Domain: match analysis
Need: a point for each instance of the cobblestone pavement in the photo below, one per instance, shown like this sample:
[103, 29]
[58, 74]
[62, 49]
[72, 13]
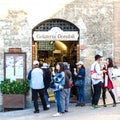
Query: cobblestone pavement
[75, 113]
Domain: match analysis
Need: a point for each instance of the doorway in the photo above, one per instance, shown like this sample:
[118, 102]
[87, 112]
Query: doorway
[52, 52]
[56, 40]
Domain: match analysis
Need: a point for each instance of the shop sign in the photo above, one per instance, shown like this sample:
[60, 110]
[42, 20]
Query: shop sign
[55, 34]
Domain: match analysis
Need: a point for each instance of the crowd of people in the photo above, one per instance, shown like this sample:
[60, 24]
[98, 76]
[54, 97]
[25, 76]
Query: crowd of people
[61, 81]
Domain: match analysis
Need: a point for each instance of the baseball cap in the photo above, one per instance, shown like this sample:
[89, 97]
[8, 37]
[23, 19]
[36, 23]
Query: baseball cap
[45, 65]
[80, 63]
[35, 62]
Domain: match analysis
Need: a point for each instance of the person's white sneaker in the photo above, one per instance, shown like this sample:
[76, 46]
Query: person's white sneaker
[57, 115]
[48, 99]
[48, 106]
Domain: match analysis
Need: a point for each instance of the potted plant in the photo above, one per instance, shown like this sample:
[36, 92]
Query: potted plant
[14, 93]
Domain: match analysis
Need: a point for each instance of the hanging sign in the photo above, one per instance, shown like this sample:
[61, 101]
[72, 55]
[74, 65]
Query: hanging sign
[55, 34]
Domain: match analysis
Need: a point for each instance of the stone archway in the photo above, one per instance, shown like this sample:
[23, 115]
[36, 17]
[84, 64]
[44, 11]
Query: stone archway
[54, 26]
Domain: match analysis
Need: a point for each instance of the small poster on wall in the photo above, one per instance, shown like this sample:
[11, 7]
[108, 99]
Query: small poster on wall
[15, 66]
[9, 66]
[19, 65]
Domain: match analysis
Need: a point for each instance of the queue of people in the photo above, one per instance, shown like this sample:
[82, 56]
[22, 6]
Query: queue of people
[61, 81]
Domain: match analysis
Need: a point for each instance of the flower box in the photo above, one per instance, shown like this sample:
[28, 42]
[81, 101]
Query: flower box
[14, 93]
[13, 101]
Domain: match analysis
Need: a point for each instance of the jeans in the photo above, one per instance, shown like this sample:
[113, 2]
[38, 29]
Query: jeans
[64, 98]
[57, 98]
[47, 97]
[96, 93]
[81, 93]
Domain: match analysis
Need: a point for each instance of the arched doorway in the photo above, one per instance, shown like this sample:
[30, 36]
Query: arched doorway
[55, 40]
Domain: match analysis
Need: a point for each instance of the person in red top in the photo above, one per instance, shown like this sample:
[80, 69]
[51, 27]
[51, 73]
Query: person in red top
[107, 83]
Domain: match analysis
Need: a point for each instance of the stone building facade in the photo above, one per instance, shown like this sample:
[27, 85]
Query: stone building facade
[116, 32]
[97, 20]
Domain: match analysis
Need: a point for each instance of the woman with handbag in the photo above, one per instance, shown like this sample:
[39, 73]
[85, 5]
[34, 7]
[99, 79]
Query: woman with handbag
[107, 83]
[80, 83]
[65, 93]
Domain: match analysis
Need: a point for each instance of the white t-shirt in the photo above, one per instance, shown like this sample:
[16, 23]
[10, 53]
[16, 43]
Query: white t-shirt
[96, 67]
[37, 79]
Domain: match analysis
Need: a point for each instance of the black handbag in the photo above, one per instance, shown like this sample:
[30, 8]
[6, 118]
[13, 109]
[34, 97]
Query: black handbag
[78, 83]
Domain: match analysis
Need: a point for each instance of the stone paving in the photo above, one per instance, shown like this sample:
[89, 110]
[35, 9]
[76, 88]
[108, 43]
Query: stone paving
[75, 113]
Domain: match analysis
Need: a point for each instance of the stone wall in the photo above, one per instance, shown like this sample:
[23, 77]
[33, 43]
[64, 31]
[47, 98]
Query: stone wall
[117, 33]
[15, 33]
[94, 18]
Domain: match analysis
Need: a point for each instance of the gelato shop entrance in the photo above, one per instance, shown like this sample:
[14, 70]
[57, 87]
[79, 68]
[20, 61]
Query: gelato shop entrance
[55, 40]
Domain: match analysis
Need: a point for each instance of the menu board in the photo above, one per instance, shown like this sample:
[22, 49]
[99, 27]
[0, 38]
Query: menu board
[15, 66]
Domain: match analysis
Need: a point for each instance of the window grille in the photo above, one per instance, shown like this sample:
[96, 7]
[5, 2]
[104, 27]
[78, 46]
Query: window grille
[62, 24]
